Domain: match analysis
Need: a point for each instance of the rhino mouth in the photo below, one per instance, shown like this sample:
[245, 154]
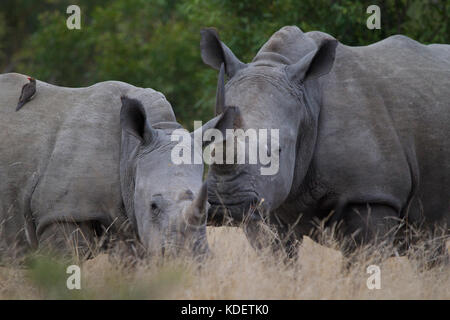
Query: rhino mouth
[233, 212]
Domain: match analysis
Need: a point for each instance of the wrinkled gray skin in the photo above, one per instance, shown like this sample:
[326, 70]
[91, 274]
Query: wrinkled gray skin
[363, 136]
[60, 174]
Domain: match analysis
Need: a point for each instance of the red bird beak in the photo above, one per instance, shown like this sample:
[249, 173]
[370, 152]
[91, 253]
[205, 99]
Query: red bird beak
[28, 78]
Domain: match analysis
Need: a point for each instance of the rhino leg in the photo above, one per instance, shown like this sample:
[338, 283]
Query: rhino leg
[368, 229]
[69, 239]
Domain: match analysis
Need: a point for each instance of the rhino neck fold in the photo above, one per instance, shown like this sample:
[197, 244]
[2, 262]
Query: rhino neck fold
[289, 42]
[270, 59]
[308, 128]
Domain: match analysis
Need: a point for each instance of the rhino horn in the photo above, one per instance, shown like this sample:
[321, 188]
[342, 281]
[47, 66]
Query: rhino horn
[195, 214]
[230, 119]
[220, 95]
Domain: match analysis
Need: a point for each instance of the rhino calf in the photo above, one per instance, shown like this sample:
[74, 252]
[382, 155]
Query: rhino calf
[75, 160]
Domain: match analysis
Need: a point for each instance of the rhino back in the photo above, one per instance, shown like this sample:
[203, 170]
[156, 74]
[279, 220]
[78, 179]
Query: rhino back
[384, 119]
[59, 155]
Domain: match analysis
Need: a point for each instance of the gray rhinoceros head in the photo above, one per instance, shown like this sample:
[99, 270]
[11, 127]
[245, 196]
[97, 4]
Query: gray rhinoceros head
[274, 91]
[166, 202]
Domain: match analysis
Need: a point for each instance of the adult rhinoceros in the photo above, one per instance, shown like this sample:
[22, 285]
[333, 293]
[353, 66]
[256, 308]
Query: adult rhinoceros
[76, 159]
[364, 135]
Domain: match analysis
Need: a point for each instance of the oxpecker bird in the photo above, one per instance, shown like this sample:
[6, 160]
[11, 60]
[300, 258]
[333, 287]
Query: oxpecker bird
[28, 91]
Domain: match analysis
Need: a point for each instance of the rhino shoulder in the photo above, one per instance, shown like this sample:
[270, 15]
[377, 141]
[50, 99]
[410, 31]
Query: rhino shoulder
[12, 78]
[319, 36]
[99, 97]
[400, 40]
[10, 81]
[155, 103]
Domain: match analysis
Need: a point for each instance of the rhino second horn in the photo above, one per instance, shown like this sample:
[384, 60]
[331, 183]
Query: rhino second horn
[220, 94]
[195, 214]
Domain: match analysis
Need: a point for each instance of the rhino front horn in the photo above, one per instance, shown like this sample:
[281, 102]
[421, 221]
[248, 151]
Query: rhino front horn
[195, 214]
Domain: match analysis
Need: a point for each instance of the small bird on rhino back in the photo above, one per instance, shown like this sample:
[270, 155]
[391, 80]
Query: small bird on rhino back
[28, 92]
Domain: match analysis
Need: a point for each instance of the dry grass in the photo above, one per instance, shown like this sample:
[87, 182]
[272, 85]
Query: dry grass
[235, 271]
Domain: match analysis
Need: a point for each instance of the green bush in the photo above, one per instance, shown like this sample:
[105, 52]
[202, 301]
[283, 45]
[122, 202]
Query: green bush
[156, 43]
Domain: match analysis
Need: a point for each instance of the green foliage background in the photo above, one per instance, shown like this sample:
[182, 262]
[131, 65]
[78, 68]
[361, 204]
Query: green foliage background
[155, 43]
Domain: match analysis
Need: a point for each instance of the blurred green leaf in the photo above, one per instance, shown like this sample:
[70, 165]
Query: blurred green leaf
[156, 43]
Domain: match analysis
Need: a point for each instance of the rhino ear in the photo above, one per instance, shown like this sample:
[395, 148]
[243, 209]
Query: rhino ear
[315, 64]
[133, 120]
[214, 52]
[230, 119]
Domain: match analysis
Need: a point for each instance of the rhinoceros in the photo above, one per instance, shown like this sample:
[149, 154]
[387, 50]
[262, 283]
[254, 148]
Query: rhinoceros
[363, 138]
[73, 161]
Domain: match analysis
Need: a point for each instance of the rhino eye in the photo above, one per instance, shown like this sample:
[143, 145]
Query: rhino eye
[155, 208]
[156, 202]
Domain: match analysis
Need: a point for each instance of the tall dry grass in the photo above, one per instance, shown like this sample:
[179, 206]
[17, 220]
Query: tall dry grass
[234, 271]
